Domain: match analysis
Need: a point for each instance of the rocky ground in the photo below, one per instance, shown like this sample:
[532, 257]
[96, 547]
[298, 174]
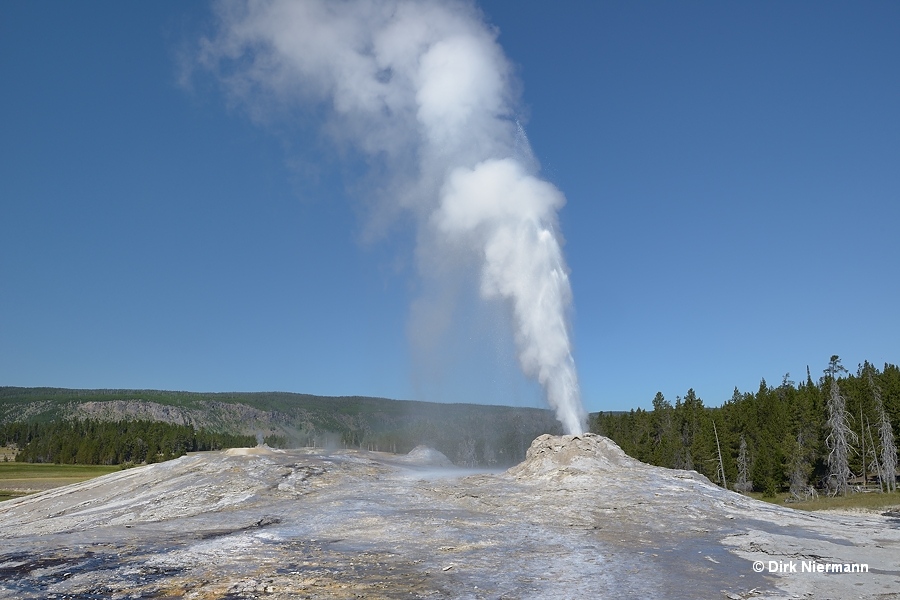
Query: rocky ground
[577, 519]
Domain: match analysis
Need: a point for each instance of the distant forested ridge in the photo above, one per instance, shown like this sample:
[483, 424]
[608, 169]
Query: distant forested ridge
[778, 438]
[111, 442]
[469, 434]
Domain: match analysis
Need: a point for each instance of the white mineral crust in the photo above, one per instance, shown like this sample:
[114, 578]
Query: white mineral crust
[578, 518]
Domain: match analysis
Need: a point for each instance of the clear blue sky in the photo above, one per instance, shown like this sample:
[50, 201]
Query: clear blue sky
[732, 173]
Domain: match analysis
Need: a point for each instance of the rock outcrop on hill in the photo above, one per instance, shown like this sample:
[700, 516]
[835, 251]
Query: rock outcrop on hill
[467, 434]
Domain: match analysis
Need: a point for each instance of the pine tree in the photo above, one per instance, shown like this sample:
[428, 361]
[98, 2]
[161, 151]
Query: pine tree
[663, 440]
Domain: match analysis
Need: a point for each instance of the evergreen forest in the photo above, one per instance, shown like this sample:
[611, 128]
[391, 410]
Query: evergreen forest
[830, 435]
[468, 434]
[90, 442]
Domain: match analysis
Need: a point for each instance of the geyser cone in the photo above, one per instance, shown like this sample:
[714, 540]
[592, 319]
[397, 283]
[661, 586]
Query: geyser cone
[585, 453]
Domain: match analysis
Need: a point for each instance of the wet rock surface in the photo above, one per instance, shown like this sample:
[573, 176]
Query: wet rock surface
[578, 518]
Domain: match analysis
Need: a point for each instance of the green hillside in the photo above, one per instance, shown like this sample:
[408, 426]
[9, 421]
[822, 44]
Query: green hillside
[469, 434]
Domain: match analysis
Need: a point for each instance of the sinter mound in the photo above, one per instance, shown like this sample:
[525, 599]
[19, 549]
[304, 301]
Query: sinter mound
[424, 455]
[574, 454]
[578, 518]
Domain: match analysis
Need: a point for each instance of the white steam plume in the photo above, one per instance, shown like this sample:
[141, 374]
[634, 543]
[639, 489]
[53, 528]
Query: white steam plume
[424, 88]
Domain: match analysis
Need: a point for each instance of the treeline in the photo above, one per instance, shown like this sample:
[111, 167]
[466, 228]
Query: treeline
[780, 438]
[468, 434]
[92, 442]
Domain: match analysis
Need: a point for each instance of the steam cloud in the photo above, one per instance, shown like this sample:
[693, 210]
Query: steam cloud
[423, 89]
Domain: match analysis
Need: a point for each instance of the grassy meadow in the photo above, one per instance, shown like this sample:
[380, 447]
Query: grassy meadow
[869, 501]
[17, 479]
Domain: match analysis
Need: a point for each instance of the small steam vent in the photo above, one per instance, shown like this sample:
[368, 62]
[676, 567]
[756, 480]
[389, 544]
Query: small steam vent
[586, 453]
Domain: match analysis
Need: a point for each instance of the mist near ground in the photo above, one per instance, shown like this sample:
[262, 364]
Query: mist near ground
[577, 518]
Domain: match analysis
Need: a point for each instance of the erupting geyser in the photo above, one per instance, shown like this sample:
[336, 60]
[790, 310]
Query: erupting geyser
[423, 88]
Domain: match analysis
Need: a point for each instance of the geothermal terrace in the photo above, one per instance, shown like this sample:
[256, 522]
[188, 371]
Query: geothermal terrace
[578, 518]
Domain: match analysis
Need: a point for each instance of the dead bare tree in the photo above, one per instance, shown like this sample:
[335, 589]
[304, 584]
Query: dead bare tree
[840, 434]
[888, 466]
[743, 484]
[465, 455]
[721, 469]
[490, 457]
[800, 489]
[878, 470]
[798, 478]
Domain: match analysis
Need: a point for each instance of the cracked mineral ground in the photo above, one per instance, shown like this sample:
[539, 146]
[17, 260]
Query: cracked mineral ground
[578, 518]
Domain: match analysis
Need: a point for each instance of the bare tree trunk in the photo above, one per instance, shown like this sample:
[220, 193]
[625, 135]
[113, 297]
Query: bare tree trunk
[878, 470]
[799, 479]
[886, 433]
[865, 473]
[465, 456]
[743, 464]
[838, 441]
[888, 454]
[721, 464]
